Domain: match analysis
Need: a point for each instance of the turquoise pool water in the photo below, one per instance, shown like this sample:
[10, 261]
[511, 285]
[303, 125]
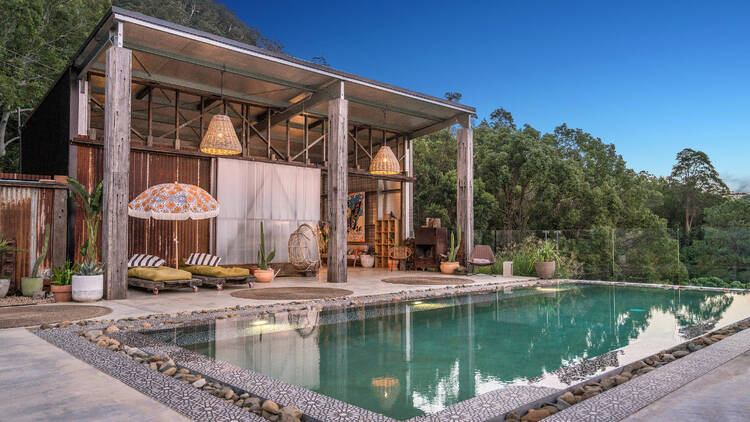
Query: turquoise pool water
[408, 359]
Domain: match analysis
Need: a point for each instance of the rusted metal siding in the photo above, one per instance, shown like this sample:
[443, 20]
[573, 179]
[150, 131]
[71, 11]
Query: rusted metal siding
[25, 211]
[148, 168]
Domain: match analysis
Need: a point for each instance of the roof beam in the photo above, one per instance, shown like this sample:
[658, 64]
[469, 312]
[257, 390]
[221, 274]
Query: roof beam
[330, 90]
[458, 118]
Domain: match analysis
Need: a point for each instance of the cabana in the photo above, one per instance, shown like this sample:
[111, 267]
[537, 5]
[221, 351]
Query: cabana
[136, 101]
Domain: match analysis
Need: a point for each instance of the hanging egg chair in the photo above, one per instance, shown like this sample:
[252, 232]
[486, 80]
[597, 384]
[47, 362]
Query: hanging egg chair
[304, 254]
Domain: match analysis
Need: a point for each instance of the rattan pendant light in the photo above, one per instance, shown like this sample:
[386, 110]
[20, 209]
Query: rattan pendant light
[220, 137]
[385, 162]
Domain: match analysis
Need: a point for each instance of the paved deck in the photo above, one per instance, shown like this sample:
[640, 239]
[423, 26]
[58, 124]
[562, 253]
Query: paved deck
[720, 395]
[42, 382]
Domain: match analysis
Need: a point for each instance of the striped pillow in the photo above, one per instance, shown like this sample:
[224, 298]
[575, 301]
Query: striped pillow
[202, 259]
[143, 260]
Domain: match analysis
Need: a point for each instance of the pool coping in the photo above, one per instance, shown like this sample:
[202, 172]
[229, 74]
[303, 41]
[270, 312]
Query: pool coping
[199, 405]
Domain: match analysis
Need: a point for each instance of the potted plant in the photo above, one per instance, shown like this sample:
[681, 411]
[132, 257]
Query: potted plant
[60, 283]
[5, 248]
[368, 259]
[264, 274]
[88, 282]
[88, 278]
[35, 283]
[546, 257]
[450, 265]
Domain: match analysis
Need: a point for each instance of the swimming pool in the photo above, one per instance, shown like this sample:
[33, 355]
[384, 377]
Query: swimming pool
[411, 358]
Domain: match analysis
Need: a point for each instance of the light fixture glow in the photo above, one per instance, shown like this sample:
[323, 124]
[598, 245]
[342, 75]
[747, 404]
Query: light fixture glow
[385, 162]
[220, 137]
[259, 322]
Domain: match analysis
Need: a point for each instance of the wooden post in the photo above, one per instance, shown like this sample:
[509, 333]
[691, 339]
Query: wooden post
[177, 119]
[150, 136]
[465, 189]
[116, 172]
[338, 116]
[59, 227]
[407, 193]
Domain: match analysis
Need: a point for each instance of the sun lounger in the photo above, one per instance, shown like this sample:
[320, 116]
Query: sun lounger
[161, 278]
[219, 276]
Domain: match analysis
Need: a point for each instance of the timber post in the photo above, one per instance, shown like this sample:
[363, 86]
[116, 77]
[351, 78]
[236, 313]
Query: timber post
[465, 188]
[338, 113]
[116, 168]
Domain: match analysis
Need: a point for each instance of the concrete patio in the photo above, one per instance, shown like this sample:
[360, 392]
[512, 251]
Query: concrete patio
[37, 376]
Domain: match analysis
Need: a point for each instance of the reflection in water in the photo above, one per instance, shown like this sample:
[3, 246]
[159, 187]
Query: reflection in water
[408, 359]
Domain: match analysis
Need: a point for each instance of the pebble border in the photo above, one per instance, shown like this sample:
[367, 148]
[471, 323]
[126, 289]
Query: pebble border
[490, 406]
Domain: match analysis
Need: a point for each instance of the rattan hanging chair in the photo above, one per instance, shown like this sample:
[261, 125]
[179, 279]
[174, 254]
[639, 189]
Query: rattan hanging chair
[304, 254]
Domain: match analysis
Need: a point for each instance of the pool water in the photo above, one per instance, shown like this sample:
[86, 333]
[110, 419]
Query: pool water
[409, 359]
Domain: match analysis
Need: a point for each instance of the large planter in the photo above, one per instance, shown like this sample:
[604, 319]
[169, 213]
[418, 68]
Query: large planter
[30, 285]
[368, 261]
[4, 286]
[545, 270]
[263, 276]
[61, 293]
[448, 267]
[87, 288]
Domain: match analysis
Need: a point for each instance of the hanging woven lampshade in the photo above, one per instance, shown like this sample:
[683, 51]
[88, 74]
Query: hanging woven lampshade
[220, 138]
[385, 162]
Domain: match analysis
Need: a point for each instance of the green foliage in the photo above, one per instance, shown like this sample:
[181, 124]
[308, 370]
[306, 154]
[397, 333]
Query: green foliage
[62, 276]
[89, 268]
[696, 182]
[91, 205]
[453, 251]
[5, 248]
[42, 255]
[263, 259]
[547, 252]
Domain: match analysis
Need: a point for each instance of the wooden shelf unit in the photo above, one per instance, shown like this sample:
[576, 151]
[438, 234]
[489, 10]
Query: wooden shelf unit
[387, 235]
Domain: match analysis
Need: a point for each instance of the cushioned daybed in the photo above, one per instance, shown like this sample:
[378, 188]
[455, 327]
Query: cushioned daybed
[219, 276]
[161, 278]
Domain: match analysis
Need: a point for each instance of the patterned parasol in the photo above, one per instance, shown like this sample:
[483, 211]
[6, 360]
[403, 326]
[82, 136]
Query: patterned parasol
[174, 201]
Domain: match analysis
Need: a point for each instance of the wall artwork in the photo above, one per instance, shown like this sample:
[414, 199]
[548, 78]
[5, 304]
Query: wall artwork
[355, 217]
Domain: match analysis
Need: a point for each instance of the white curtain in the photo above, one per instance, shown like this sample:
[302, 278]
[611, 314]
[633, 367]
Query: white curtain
[281, 196]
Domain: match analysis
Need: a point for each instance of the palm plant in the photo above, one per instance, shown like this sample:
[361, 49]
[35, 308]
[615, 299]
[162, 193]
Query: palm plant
[264, 259]
[91, 205]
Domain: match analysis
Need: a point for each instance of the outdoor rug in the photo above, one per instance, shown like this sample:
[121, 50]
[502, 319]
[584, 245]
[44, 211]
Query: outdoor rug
[23, 316]
[427, 281]
[290, 293]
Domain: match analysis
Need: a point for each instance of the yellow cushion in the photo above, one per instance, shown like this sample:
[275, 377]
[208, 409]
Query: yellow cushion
[159, 273]
[210, 271]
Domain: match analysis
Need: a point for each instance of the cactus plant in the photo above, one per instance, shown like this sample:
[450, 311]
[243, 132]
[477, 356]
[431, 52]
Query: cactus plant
[454, 247]
[40, 258]
[264, 259]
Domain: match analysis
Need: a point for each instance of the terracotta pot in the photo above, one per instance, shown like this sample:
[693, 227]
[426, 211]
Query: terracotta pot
[448, 267]
[263, 276]
[393, 264]
[545, 270]
[62, 293]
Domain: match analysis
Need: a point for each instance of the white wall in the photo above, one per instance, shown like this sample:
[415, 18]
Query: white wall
[282, 196]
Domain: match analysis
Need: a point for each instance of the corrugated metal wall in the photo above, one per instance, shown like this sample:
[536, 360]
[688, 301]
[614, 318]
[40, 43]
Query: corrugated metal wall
[25, 210]
[147, 169]
[281, 196]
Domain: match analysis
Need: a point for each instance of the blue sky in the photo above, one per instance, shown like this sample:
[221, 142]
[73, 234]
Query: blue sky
[650, 78]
